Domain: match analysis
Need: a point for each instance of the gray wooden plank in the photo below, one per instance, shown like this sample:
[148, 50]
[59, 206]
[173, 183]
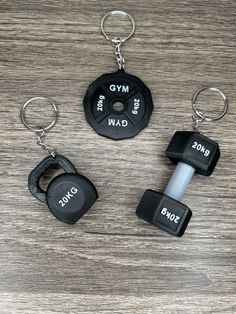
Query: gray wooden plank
[112, 262]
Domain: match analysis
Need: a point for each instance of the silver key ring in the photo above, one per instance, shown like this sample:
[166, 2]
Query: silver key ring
[200, 114]
[41, 129]
[117, 12]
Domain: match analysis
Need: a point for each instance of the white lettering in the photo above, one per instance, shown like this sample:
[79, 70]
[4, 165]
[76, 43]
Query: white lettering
[136, 106]
[119, 88]
[169, 215]
[65, 199]
[125, 89]
[117, 122]
[111, 122]
[69, 195]
[124, 123]
[74, 190]
[199, 147]
[101, 99]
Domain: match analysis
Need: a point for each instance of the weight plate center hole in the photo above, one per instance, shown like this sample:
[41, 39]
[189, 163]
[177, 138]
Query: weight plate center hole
[118, 106]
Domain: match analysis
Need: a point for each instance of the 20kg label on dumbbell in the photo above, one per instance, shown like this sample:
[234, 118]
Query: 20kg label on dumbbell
[200, 149]
[169, 215]
[118, 105]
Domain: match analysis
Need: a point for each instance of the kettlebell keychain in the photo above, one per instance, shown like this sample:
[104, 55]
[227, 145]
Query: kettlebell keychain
[193, 153]
[69, 195]
[118, 105]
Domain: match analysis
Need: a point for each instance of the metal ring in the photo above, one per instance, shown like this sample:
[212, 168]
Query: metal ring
[206, 117]
[42, 129]
[117, 12]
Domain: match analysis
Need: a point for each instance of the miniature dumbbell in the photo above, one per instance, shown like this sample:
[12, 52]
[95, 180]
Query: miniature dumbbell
[193, 153]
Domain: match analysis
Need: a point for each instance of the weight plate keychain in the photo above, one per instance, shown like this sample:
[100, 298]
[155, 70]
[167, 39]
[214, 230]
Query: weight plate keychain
[192, 152]
[118, 105]
[69, 195]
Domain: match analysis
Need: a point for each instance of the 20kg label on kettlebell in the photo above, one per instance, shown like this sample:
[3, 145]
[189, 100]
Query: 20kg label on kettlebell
[118, 105]
[68, 196]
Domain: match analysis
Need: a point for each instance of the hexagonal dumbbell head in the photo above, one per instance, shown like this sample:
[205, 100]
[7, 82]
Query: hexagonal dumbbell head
[194, 149]
[164, 212]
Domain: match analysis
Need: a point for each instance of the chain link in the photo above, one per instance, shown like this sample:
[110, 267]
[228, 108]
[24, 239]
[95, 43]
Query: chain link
[117, 51]
[197, 118]
[44, 146]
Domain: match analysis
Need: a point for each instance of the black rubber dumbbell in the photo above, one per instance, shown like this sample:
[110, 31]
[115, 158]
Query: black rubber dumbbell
[193, 153]
[68, 195]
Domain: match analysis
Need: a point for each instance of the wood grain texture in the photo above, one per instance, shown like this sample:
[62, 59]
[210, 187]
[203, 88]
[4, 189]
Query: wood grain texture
[112, 262]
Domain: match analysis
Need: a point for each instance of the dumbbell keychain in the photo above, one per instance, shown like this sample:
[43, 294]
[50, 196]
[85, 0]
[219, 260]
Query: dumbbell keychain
[118, 105]
[69, 195]
[193, 153]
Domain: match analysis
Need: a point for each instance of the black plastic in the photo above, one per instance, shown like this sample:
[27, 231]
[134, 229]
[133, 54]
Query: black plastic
[47, 163]
[118, 87]
[68, 195]
[164, 212]
[194, 149]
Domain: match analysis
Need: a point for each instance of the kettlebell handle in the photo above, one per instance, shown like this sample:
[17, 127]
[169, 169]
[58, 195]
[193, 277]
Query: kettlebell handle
[47, 163]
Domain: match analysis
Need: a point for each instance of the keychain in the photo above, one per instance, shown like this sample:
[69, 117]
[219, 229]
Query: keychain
[69, 195]
[193, 153]
[118, 105]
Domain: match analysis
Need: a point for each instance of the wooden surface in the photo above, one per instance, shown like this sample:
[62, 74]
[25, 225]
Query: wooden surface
[112, 262]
